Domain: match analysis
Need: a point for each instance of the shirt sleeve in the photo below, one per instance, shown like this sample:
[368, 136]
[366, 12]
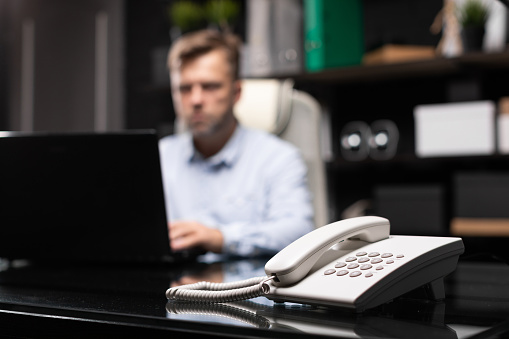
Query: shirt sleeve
[289, 212]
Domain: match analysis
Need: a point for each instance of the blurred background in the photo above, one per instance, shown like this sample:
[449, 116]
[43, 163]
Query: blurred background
[414, 106]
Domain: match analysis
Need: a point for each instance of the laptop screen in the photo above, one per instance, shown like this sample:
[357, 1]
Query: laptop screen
[82, 196]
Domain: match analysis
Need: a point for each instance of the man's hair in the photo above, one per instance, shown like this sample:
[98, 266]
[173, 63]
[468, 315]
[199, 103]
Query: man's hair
[195, 44]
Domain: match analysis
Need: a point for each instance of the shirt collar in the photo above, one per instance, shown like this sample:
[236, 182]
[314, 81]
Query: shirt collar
[227, 155]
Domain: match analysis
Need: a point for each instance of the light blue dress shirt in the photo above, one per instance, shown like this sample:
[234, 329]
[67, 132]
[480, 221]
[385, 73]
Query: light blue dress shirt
[254, 190]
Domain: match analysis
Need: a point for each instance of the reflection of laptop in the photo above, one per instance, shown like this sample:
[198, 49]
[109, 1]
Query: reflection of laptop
[82, 196]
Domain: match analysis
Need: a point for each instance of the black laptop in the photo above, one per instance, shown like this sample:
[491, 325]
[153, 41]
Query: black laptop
[90, 197]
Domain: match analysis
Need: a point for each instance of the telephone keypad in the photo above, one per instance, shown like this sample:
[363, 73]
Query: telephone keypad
[364, 262]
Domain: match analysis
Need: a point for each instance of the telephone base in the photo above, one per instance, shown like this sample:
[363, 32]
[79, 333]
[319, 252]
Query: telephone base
[432, 291]
[377, 273]
[435, 290]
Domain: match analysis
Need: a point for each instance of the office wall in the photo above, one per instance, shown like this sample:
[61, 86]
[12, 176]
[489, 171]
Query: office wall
[65, 64]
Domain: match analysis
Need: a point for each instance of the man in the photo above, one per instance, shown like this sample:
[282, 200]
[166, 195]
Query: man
[229, 189]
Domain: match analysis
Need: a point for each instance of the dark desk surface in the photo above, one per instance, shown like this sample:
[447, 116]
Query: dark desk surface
[65, 301]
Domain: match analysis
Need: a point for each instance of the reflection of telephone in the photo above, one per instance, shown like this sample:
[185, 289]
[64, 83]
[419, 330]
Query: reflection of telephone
[353, 263]
[421, 320]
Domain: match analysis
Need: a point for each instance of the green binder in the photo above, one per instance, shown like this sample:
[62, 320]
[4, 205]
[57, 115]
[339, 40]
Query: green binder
[334, 33]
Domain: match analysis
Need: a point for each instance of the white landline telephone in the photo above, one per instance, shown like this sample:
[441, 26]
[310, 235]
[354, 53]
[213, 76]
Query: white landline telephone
[353, 263]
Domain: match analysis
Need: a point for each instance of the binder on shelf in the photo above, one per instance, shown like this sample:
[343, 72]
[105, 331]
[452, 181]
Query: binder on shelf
[288, 37]
[274, 38]
[333, 33]
[258, 43]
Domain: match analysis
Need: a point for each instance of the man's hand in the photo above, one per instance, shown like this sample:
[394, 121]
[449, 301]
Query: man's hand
[189, 234]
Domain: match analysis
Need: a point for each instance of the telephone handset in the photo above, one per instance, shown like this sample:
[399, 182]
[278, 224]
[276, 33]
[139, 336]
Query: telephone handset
[294, 261]
[353, 263]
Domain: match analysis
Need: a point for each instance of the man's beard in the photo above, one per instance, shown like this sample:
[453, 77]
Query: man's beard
[209, 128]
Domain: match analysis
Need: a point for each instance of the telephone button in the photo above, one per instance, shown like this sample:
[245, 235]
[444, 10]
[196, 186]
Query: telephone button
[340, 264]
[399, 256]
[368, 275]
[373, 254]
[386, 255]
[376, 261]
[363, 260]
[379, 268]
[351, 266]
[350, 259]
[329, 272]
[355, 273]
[390, 261]
[366, 267]
[342, 272]
[361, 254]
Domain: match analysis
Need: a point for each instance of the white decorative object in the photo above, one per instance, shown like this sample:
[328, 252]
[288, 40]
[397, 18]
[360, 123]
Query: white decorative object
[455, 129]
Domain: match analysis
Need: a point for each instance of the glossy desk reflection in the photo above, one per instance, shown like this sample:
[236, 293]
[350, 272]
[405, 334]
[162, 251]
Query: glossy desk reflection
[130, 300]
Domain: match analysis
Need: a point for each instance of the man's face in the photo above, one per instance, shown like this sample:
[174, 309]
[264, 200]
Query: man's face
[204, 93]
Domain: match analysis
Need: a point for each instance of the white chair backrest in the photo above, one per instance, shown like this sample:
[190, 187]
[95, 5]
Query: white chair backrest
[275, 106]
[265, 104]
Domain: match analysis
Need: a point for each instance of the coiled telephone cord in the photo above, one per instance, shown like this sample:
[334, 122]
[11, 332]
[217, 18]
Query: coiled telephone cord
[220, 292]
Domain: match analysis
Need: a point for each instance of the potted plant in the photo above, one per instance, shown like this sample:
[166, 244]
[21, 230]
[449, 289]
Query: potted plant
[185, 16]
[472, 16]
[221, 13]
[189, 15]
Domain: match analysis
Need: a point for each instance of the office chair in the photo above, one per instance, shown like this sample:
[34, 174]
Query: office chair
[275, 106]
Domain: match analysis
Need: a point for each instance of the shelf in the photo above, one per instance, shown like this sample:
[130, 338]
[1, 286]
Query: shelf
[411, 160]
[439, 66]
[484, 60]
[423, 68]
